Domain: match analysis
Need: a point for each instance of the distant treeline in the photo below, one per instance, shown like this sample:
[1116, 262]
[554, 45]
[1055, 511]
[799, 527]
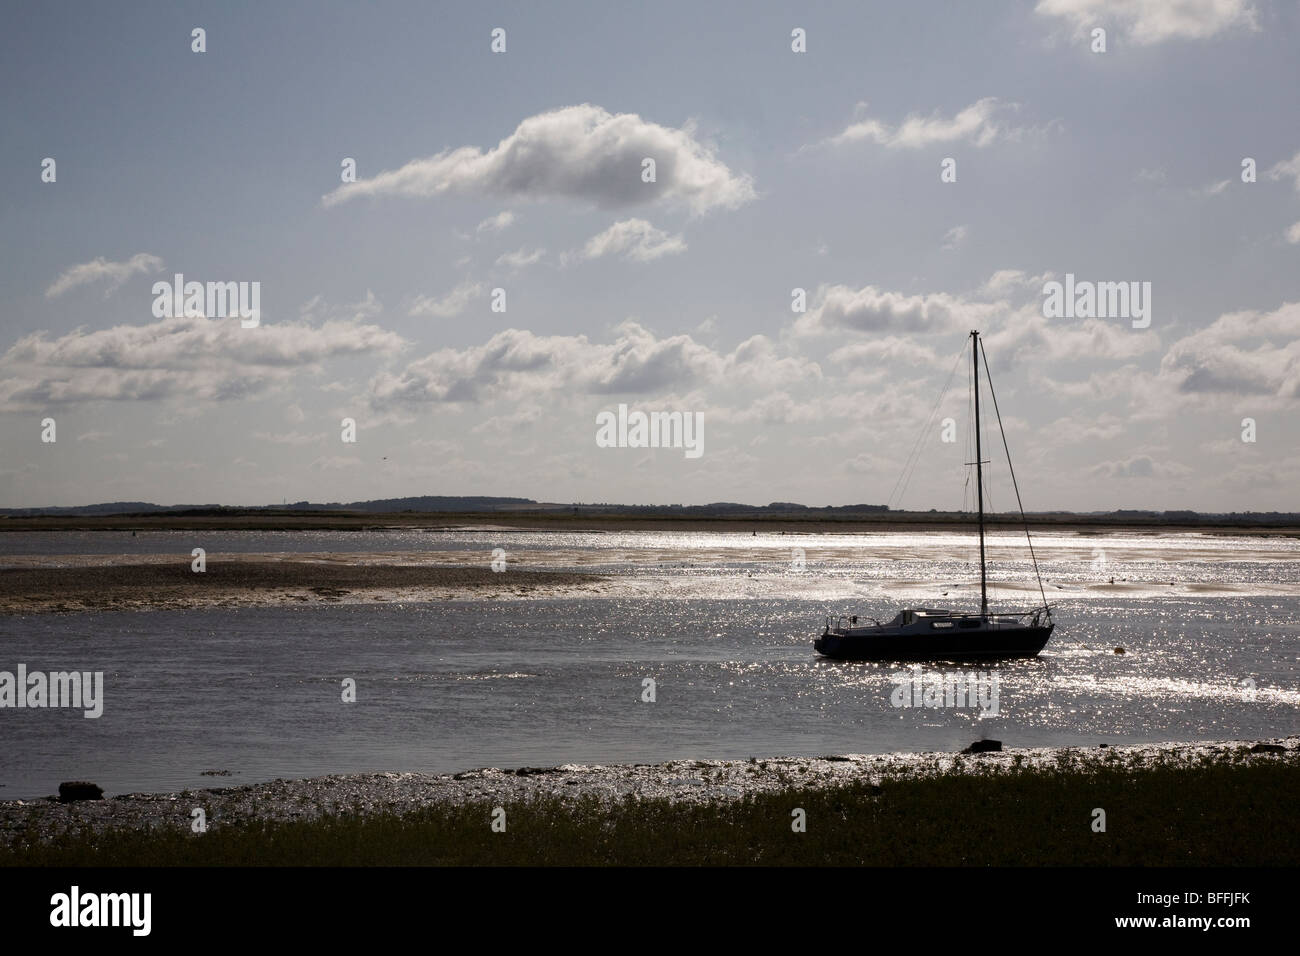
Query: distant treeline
[721, 510]
[421, 503]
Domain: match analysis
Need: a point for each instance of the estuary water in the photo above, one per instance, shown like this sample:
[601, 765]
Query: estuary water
[721, 623]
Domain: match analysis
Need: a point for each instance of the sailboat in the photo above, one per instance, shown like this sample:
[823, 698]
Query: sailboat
[920, 634]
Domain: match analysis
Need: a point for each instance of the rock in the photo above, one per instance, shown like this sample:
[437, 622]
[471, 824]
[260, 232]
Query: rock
[1119, 650]
[984, 746]
[79, 790]
[1103, 745]
[1268, 749]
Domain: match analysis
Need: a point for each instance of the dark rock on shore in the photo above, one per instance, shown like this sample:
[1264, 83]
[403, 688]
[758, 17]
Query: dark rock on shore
[984, 746]
[79, 790]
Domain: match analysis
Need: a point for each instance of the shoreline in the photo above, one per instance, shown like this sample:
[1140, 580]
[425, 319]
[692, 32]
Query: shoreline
[505, 521]
[739, 568]
[28, 824]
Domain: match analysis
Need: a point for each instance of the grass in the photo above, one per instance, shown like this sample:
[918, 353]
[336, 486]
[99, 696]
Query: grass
[1213, 814]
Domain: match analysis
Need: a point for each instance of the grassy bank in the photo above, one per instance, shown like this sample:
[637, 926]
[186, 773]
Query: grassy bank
[1211, 814]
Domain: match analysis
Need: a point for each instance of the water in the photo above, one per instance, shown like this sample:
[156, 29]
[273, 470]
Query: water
[721, 623]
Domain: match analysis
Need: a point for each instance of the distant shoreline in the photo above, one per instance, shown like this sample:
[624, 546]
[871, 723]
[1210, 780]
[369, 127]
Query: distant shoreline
[869, 523]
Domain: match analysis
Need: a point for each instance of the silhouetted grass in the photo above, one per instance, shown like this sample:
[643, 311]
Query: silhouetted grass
[1213, 814]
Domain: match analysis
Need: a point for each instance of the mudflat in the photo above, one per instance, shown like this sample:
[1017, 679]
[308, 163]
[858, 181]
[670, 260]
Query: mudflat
[172, 583]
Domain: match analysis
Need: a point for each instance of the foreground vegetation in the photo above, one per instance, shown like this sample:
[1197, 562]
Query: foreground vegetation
[1211, 814]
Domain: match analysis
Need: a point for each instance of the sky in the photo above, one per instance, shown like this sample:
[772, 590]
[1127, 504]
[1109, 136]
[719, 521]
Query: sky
[502, 270]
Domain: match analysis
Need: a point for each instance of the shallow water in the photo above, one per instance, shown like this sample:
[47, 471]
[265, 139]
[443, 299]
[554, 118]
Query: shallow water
[724, 630]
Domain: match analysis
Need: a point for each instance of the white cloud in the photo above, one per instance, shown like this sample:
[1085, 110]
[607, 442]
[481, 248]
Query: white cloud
[1139, 466]
[1213, 189]
[870, 309]
[1147, 22]
[634, 239]
[453, 303]
[521, 258]
[287, 438]
[1293, 233]
[1288, 167]
[955, 236]
[99, 270]
[502, 220]
[335, 462]
[317, 309]
[977, 124]
[1006, 281]
[181, 360]
[515, 362]
[888, 350]
[578, 152]
[1025, 335]
[1240, 353]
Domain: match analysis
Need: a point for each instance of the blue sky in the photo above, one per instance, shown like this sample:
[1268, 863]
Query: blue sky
[519, 170]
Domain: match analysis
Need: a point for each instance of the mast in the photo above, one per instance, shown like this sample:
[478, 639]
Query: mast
[979, 472]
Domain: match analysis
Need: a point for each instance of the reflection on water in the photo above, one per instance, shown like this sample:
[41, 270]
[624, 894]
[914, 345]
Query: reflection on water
[447, 687]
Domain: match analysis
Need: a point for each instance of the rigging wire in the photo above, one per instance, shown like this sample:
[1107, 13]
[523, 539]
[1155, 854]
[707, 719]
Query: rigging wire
[905, 478]
[967, 498]
[1012, 470]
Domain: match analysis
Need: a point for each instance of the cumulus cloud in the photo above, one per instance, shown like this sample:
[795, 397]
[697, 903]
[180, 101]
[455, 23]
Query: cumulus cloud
[1287, 168]
[978, 123]
[1139, 466]
[178, 359]
[453, 303]
[1213, 189]
[870, 309]
[633, 239]
[887, 350]
[521, 258]
[335, 462]
[1293, 233]
[1147, 22]
[1026, 335]
[101, 270]
[287, 438]
[317, 309]
[1240, 353]
[954, 237]
[772, 408]
[515, 362]
[578, 152]
[502, 220]
[1008, 281]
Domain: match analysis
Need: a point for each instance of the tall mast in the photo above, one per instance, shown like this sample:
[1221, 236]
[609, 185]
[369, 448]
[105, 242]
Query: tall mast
[979, 472]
